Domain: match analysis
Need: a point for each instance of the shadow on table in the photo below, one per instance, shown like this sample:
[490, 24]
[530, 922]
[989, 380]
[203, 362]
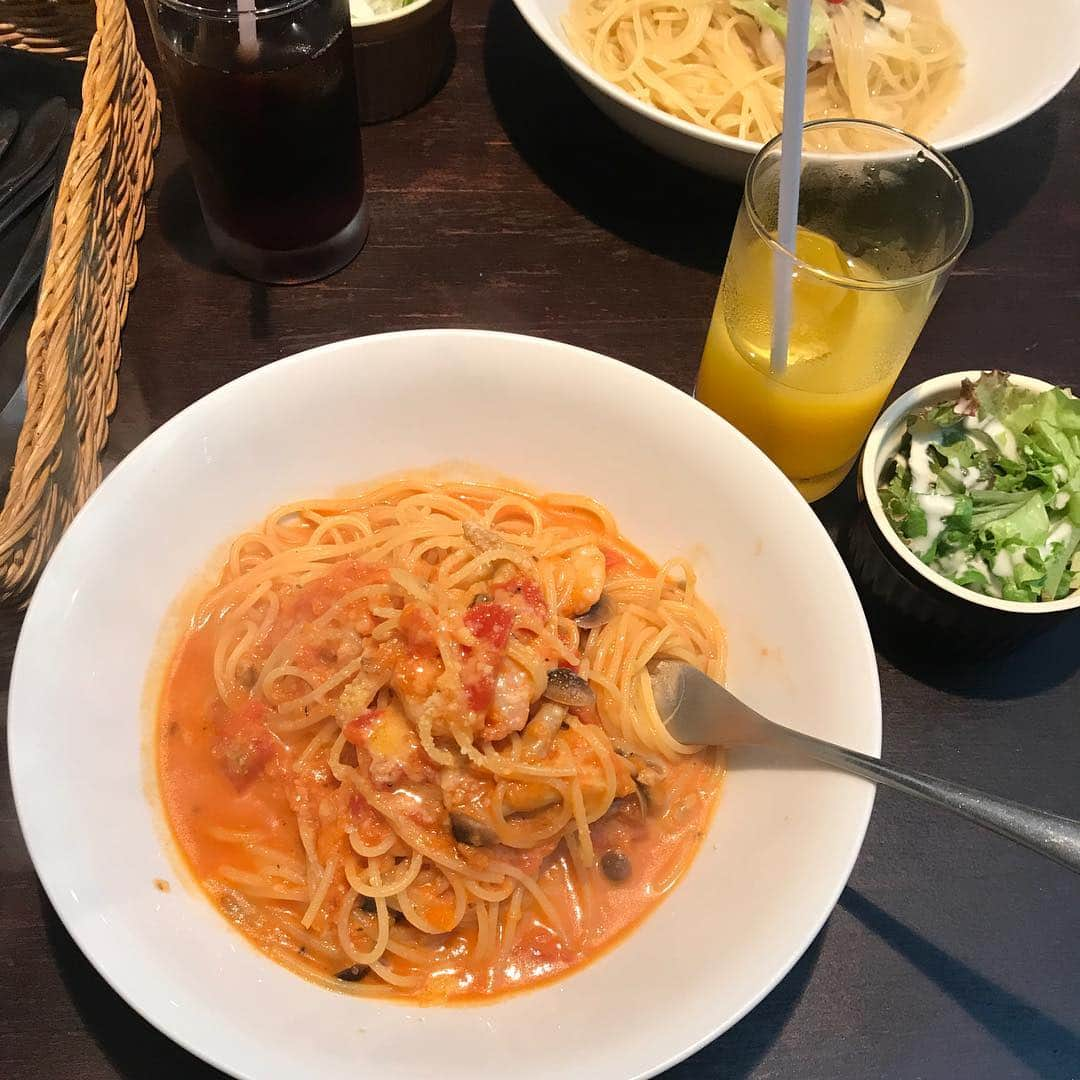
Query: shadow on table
[184, 230]
[134, 1047]
[1004, 172]
[737, 1052]
[1043, 661]
[1046, 1047]
[592, 164]
[182, 222]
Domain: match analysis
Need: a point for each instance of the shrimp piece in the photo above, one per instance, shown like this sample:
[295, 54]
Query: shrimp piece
[510, 702]
[580, 578]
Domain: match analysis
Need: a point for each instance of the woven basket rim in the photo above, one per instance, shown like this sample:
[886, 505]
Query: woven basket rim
[74, 345]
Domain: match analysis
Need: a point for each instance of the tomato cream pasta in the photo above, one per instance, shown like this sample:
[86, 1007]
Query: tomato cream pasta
[408, 744]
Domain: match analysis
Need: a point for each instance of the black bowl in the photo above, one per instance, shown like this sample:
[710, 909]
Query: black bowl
[933, 612]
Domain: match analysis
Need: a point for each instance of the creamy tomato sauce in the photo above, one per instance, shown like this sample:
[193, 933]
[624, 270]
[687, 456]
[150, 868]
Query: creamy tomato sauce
[201, 802]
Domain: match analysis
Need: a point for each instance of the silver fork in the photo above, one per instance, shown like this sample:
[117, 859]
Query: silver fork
[699, 711]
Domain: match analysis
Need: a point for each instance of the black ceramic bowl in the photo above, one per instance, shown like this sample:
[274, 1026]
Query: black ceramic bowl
[965, 622]
[402, 58]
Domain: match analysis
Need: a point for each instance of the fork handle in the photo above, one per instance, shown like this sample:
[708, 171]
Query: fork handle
[1051, 835]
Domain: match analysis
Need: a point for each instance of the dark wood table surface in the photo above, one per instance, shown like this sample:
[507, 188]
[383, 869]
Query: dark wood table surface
[508, 202]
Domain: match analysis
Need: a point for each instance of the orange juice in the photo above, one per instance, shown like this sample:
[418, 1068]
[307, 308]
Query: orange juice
[850, 336]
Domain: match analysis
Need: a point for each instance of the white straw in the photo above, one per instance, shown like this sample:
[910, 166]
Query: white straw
[249, 46]
[795, 63]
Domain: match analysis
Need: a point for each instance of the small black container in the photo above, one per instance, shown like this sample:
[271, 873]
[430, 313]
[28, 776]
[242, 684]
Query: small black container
[933, 609]
[402, 59]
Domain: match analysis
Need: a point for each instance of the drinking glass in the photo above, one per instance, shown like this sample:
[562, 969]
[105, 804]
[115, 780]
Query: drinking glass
[882, 220]
[265, 94]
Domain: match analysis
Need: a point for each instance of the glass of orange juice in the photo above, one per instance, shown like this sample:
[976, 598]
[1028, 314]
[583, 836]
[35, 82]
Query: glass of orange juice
[882, 220]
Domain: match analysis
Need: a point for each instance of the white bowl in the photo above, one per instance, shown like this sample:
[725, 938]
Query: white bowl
[1019, 55]
[881, 444]
[678, 479]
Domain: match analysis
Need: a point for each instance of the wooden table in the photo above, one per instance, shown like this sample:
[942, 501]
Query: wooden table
[508, 202]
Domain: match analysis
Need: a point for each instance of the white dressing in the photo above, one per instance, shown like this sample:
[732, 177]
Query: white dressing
[1003, 564]
[922, 475]
[1061, 533]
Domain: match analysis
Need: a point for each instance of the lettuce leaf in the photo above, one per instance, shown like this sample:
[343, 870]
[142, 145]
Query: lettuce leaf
[1056, 584]
[1029, 524]
[1060, 410]
[767, 15]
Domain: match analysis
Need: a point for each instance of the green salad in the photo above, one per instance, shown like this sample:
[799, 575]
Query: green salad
[986, 490]
[363, 11]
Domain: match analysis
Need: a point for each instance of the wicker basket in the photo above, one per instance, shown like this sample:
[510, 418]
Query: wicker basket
[74, 345]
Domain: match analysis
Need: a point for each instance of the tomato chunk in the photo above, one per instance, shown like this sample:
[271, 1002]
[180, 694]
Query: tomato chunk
[358, 728]
[480, 692]
[613, 560]
[529, 591]
[318, 596]
[542, 944]
[490, 623]
[370, 825]
[246, 746]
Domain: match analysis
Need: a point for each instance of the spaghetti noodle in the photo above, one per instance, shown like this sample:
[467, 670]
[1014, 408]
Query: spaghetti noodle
[409, 742]
[720, 63]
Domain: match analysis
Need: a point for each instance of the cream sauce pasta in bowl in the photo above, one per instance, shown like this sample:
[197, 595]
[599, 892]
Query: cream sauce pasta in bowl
[720, 63]
[701, 81]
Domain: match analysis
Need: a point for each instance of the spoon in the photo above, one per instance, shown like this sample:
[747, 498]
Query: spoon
[29, 193]
[33, 146]
[31, 263]
[699, 711]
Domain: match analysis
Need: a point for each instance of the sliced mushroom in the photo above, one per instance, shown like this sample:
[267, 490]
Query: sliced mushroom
[367, 904]
[482, 539]
[615, 865]
[647, 773]
[470, 831]
[601, 612]
[538, 738]
[879, 7]
[569, 688]
[635, 805]
[353, 974]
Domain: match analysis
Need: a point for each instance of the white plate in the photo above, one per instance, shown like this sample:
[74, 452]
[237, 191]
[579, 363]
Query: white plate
[1019, 56]
[678, 479]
